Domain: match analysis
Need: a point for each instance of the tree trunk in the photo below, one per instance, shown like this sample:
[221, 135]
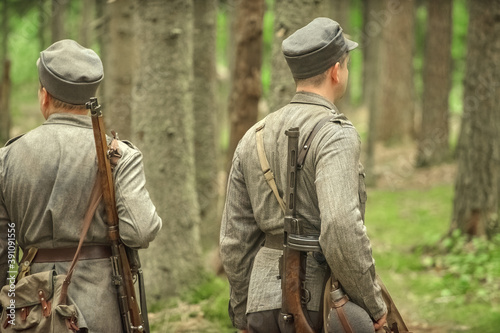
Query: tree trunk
[433, 138]
[119, 58]
[163, 128]
[395, 120]
[287, 19]
[42, 24]
[476, 203]
[57, 23]
[87, 23]
[371, 41]
[246, 88]
[205, 116]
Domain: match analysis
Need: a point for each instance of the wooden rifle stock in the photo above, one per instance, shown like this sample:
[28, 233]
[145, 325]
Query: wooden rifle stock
[122, 275]
[293, 308]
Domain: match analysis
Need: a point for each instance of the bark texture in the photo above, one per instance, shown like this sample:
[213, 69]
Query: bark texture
[163, 129]
[118, 59]
[246, 89]
[395, 119]
[57, 23]
[433, 145]
[476, 203]
[205, 115]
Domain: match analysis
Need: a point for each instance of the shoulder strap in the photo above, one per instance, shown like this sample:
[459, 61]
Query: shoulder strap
[264, 165]
[305, 148]
[95, 199]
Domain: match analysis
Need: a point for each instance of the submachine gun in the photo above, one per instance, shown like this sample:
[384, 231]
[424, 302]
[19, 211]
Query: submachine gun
[297, 244]
[295, 248]
[123, 258]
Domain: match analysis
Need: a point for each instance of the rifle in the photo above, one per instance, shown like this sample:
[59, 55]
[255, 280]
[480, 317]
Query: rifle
[295, 248]
[395, 322]
[122, 276]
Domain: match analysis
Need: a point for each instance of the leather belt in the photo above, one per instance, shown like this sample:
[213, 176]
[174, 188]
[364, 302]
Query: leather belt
[274, 242]
[67, 253]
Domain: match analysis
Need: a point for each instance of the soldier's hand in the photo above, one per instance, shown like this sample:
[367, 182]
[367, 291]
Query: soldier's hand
[379, 323]
[243, 331]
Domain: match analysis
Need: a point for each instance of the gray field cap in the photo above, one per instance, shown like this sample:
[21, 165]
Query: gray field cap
[313, 49]
[70, 72]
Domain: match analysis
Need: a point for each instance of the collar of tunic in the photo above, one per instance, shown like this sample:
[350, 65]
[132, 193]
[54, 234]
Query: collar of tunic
[64, 118]
[303, 97]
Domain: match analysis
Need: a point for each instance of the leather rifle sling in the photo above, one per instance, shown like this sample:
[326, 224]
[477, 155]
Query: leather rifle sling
[264, 165]
[95, 199]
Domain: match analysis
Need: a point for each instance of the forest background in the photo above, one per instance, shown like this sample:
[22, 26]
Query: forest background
[185, 79]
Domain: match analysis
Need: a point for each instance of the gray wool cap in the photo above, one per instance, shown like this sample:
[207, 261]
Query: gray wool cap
[313, 49]
[70, 72]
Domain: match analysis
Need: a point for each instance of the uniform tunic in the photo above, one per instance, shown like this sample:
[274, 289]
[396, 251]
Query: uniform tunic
[46, 178]
[330, 201]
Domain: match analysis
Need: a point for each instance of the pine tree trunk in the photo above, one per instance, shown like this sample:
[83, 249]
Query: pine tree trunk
[476, 203]
[57, 23]
[163, 126]
[119, 58]
[287, 19]
[373, 24]
[205, 115]
[246, 88]
[87, 23]
[395, 119]
[433, 138]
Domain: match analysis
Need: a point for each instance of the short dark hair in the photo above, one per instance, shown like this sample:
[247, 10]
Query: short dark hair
[318, 79]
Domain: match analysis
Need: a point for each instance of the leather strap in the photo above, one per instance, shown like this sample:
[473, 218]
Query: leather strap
[68, 253]
[95, 198]
[329, 304]
[264, 165]
[305, 148]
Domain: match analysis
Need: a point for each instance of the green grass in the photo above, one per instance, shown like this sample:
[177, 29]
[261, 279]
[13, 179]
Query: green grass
[443, 282]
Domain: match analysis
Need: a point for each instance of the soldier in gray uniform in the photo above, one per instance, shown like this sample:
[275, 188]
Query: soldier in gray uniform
[330, 196]
[46, 177]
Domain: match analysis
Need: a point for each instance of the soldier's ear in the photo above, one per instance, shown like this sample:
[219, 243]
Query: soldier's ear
[335, 72]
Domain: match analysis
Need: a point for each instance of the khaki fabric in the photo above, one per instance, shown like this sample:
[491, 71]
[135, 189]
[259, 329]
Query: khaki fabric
[46, 177]
[330, 200]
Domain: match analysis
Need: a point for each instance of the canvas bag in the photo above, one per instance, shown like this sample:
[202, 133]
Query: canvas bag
[37, 302]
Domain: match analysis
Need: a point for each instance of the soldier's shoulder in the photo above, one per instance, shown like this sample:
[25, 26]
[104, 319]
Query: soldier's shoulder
[341, 119]
[14, 139]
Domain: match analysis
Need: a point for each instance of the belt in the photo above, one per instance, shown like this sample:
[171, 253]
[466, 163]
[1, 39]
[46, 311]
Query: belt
[67, 253]
[274, 241]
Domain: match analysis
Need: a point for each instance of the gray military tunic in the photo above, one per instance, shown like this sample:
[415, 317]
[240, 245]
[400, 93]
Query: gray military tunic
[330, 200]
[46, 177]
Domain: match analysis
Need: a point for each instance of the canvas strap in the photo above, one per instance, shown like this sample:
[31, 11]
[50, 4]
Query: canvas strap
[264, 165]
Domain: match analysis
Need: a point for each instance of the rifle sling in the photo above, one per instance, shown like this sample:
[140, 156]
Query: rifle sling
[95, 199]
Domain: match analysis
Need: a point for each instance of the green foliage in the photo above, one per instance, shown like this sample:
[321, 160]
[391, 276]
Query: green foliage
[213, 295]
[432, 279]
[470, 268]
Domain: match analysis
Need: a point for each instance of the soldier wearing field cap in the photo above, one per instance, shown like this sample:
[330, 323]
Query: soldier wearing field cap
[330, 198]
[46, 179]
